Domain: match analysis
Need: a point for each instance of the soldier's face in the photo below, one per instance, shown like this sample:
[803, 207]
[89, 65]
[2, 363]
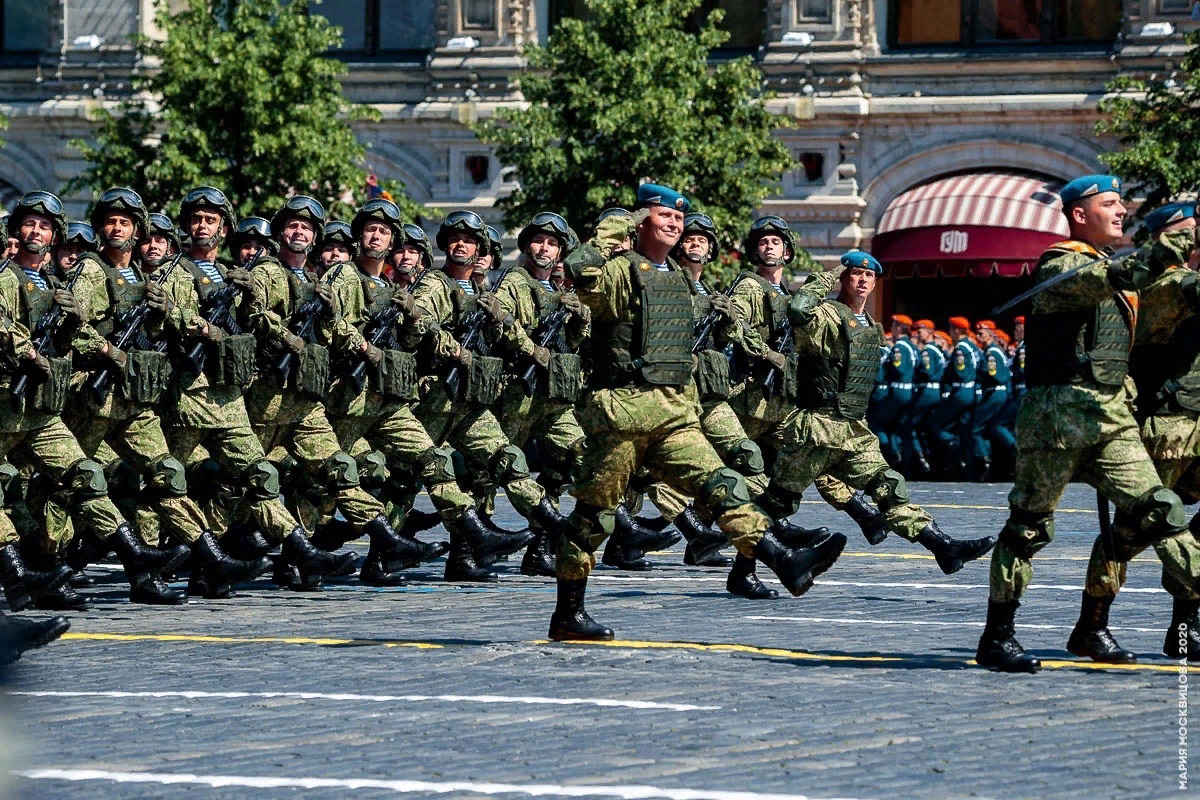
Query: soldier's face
[858, 283]
[1019, 332]
[984, 335]
[65, 257]
[771, 250]
[695, 247]
[923, 335]
[298, 235]
[482, 265]
[247, 249]
[118, 230]
[664, 226]
[406, 259]
[207, 228]
[544, 249]
[1099, 219]
[36, 234]
[155, 249]
[12, 245]
[376, 239]
[334, 254]
[462, 247]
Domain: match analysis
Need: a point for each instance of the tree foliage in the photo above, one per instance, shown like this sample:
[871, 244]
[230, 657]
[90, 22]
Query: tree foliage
[244, 98]
[1157, 121]
[625, 95]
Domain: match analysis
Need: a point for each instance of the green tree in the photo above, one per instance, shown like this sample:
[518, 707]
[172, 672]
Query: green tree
[1157, 121]
[627, 94]
[245, 99]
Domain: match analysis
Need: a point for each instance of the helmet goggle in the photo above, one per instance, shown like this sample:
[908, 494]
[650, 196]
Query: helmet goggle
[548, 219]
[465, 219]
[698, 221]
[304, 203]
[389, 209]
[494, 237]
[161, 223]
[768, 222]
[415, 232]
[206, 196]
[255, 227]
[81, 233]
[613, 212]
[122, 196]
[42, 200]
[338, 231]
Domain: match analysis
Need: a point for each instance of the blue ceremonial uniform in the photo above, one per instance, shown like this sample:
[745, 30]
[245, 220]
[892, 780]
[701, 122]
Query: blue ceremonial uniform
[898, 367]
[1005, 426]
[950, 419]
[992, 390]
[877, 407]
[927, 393]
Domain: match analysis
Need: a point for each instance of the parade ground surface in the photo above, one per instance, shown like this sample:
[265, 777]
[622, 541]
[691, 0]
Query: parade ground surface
[863, 688]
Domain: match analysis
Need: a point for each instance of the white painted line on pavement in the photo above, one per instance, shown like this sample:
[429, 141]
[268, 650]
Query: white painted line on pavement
[931, 623]
[631, 792]
[380, 698]
[871, 584]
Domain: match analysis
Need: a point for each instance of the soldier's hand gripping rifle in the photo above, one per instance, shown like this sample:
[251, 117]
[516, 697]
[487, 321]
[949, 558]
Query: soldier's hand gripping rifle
[304, 322]
[784, 343]
[101, 384]
[42, 339]
[555, 321]
[1038, 288]
[706, 326]
[475, 323]
[380, 331]
[220, 312]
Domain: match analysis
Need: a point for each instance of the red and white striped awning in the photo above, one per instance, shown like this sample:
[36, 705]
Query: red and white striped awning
[989, 199]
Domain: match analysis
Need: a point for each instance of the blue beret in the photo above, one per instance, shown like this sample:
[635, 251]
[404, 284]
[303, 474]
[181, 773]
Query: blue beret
[857, 259]
[652, 194]
[1169, 214]
[1087, 186]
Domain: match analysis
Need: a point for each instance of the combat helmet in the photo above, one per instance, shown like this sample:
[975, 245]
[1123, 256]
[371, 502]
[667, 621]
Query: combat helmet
[767, 225]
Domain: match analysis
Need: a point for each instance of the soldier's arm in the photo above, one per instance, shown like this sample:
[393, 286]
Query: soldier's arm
[184, 312]
[601, 283]
[268, 299]
[434, 308]
[1172, 298]
[350, 311]
[750, 303]
[802, 310]
[91, 296]
[1096, 281]
[515, 299]
[14, 337]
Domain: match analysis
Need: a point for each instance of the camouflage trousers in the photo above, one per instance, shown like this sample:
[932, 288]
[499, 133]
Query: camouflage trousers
[848, 454]
[552, 423]
[137, 438]
[393, 430]
[1173, 442]
[477, 435]
[1118, 467]
[657, 428]
[46, 444]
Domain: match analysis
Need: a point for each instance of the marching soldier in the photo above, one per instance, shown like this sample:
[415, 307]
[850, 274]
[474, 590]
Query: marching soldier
[927, 393]
[992, 384]
[80, 239]
[899, 366]
[948, 422]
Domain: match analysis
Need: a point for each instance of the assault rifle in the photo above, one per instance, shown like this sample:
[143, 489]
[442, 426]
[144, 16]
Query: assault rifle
[303, 322]
[220, 312]
[381, 329]
[705, 327]
[554, 323]
[474, 322]
[42, 339]
[130, 326]
[784, 343]
[1038, 288]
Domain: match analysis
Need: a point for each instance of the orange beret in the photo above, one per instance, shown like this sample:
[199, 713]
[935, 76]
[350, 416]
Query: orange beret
[1019, 320]
[927, 324]
[1002, 336]
[986, 324]
[942, 336]
[960, 322]
[902, 319]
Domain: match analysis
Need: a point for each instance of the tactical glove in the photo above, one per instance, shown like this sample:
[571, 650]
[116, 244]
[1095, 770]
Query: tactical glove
[373, 354]
[777, 360]
[157, 299]
[491, 304]
[725, 307]
[542, 356]
[117, 356]
[65, 300]
[294, 343]
[242, 278]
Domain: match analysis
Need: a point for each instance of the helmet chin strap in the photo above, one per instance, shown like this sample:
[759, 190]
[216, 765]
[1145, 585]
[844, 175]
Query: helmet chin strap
[35, 248]
[298, 249]
[545, 262]
[121, 245]
[375, 255]
[208, 242]
[459, 261]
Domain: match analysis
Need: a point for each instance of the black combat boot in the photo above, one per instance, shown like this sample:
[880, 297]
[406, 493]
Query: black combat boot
[62, 598]
[391, 546]
[333, 534]
[1183, 637]
[152, 590]
[496, 527]
[220, 571]
[791, 535]
[19, 635]
[485, 543]
[953, 554]
[22, 585]
[85, 549]
[138, 559]
[1091, 637]
[460, 562]
[655, 524]
[313, 563]
[627, 547]
[418, 521]
[539, 556]
[797, 569]
[704, 543]
[743, 580]
[570, 621]
[374, 571]
[246, 543]
[998, 646]
[868, 518]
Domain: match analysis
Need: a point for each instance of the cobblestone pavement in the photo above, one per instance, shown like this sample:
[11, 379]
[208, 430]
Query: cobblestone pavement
[863, 688]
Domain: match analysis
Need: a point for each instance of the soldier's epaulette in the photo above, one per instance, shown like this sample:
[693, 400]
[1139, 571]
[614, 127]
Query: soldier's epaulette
[1075, 246]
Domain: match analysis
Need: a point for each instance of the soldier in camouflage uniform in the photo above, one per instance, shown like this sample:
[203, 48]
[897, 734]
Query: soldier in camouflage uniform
[412, 257]
[1076, 419]
[80, 239]
[445, 309]
[1165, 364]
[37, 435]
[641, 408]
[294, 375]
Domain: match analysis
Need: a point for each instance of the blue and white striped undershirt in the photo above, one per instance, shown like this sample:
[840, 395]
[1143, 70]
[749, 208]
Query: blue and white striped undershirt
[35, 277]
[210, 271]
[466, 285]
[130, 275]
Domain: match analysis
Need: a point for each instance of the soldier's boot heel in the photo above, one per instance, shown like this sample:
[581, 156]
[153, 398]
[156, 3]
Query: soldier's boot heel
[640, 539]
[138, 559]
[485, 543]
[539, 560]
[298, 550]
[1183, 637]
[390, 545]
[23, 585]
[869, 519]
[20, 635]
[417, 521]
[953, 554]
[218, 568]
[792, 535]
[570, 621]
[797, 569]
[375, 573]
[998, 646]
[333, 535]
[1091, 637]
[460, 563]
[655, 524]
[62, 597]
[151, 590]
[743, 580]
[704, 543]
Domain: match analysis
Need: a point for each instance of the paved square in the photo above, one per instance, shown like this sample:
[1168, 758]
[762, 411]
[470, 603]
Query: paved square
[862, 688]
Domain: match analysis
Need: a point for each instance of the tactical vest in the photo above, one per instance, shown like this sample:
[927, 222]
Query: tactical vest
[842, 380]
[563, 378]
[35, 302]
[49, 393]
[205, 285]
[123, 297]
[655, 345]
[1081, 344]
[395, 376]
[712, 375]
[1168, 374]
[770, 329]
[311, 375]
[147, 373]
[485, 378]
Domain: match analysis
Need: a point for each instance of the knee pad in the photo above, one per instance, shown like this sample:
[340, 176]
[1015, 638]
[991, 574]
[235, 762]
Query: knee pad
[1158, 514]
[84, 480]
[778, 503]
[724, 490]
[590, 523]
[1026, 533]
[437, 465]
[167, 478]
[509, 464]
[889, 489]
[10, 484]
[372, 468]
[340, 471]
[747, 458]
[262, 481]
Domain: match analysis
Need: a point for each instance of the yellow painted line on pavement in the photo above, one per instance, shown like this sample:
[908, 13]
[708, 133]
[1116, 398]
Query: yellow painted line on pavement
[626, 644]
